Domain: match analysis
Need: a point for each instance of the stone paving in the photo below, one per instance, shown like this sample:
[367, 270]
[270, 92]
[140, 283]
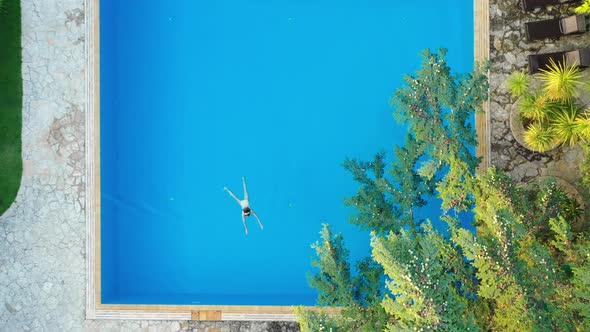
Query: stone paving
[42, 236]
[508, 53]
[42, 267]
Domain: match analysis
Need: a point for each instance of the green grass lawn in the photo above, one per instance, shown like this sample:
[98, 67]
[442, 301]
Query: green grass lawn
[11, 93]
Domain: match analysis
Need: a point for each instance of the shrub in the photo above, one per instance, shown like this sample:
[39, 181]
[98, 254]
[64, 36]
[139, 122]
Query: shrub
[551, 114]
[518, 83]
[563, 122]
[525, 270]
[560, 81]
[582, 126]
[535, 107]
[539, 138]
[584, 8]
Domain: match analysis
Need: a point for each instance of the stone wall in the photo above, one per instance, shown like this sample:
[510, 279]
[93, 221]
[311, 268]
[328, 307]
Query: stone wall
[508, 53]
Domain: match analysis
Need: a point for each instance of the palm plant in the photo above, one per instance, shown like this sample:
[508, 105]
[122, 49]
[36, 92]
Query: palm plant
[551, 114]
[584, 8]
[539, 138]
[518, 84]
[563, 121]
[535, 106]
[561, 81]
[582, 126]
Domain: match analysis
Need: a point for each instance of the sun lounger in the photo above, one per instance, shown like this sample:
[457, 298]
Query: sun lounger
[557, 27]
[541, 61]
[528, 5]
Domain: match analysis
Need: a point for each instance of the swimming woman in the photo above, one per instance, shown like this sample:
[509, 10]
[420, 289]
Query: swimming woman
[245, 204]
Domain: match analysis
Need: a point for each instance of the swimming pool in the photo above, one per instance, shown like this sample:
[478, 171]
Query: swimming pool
[195, 95]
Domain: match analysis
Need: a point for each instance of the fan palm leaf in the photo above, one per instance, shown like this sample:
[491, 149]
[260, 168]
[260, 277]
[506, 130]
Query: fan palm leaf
[582, 126]
[539, 138]
[518, 84]
[563, 123]
[561, 81]
[584, 8]
[535, 107]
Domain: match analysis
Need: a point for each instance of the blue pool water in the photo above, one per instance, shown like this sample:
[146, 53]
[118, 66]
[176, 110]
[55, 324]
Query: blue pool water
[197, 94]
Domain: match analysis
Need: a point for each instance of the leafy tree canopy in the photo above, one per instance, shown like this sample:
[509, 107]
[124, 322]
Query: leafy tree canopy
[526, 270]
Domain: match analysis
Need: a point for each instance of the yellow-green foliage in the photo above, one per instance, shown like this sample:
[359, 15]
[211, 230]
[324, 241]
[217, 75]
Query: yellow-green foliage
[584, 8]
[580, 260]
[585, 166]
[524, 269]
[518, 83]
[535, 107]
[561, 81]
[553, 113]
[521, 272]
[492, 255]
[316, 321]
[582, 126]
[575, 255]
[539, 138]
[566, 125]
[421, 282]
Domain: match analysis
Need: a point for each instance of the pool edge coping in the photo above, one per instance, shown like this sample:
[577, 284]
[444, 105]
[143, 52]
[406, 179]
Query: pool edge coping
[97, 310]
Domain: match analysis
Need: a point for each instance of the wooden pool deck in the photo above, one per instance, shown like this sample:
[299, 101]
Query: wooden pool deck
[481, 33]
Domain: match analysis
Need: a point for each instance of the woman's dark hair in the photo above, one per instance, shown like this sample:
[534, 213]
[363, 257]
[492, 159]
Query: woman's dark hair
[247, 211]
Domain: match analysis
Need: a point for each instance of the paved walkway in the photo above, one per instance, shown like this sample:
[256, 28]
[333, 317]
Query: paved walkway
[42, 267]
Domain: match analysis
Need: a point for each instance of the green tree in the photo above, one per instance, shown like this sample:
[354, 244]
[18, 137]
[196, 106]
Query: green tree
[524, 271]
[359, 296]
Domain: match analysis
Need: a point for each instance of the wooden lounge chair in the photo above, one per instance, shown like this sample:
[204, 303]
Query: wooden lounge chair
[580, 57]
[528, 5]
[557, 27]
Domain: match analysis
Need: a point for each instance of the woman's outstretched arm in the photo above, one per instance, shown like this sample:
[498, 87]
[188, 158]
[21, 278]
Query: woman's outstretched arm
[232, 195]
